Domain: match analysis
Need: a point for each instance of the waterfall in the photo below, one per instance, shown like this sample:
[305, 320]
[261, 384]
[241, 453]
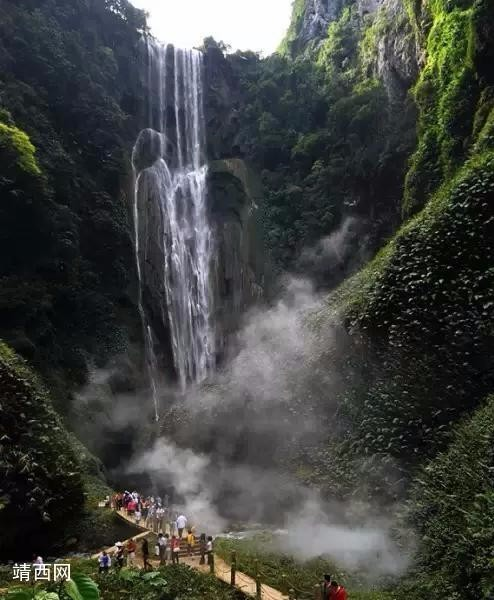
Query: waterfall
[173, 239]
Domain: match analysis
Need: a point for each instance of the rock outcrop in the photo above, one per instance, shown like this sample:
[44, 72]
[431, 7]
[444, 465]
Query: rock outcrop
[222, 102]
[396, 58]
[240, 271]
[318, 14]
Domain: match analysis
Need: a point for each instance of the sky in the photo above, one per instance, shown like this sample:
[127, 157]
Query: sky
[257, 25]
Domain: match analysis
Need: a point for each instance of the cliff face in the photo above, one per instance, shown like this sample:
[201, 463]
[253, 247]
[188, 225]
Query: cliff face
[241, 275]
[317, 15]
[396, 54]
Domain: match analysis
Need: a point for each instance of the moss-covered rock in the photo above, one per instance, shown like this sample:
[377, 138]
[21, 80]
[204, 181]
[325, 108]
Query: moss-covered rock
[449, 93]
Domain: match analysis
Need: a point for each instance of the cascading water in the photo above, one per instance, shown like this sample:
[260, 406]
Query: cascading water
[173, 239]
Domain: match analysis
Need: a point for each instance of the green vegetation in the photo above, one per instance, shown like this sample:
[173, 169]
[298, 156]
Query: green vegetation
[167, 583]
[40, 478]
[446, 94]
[417, 385]
[67, 90]
[331, 140]
[420, 316]
[16, 146]
[283, 572]
[320, 129]
[289, 44]
[452, 508]
[50, 484]
[80, 587]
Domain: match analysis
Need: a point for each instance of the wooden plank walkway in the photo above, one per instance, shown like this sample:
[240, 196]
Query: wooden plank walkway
[222, 570]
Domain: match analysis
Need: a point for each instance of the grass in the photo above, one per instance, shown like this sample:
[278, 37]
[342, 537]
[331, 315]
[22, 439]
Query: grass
[283, 572]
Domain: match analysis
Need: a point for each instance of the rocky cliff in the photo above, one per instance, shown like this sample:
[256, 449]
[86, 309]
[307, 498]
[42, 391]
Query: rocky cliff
[395, 55]
[241, 265]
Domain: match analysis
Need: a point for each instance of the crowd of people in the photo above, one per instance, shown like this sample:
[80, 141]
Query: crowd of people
[153, 513]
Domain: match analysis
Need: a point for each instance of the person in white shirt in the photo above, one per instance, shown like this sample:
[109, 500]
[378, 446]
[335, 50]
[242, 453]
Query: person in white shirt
[209, 549]
[160, 513]
[181, 523]
[162, 544]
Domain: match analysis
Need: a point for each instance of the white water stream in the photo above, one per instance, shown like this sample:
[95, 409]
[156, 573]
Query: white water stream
[176, 182]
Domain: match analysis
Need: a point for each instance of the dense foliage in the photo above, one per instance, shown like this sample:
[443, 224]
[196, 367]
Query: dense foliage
[452, 506]
[40, 475]
[167, 583]
[68, 80]
[322, 131]
[420, 316]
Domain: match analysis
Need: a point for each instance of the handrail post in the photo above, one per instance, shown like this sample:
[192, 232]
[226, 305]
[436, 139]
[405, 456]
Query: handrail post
[291, 594]
[258, 581]
[211, 562]
[318, 592]
[284, 585]
[234, 568]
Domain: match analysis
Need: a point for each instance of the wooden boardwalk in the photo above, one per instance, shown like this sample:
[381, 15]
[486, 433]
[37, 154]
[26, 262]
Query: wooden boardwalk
[222, 570]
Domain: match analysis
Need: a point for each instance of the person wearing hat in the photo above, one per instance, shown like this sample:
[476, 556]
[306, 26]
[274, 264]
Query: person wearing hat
[119, 555]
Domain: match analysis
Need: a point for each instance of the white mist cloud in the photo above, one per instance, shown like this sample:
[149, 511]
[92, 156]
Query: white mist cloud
[234, 437]
[170, 467]
[366, 545]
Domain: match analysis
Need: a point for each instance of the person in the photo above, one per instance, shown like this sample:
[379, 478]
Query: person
[202, 548]
[145, 555]
[37, 560]
[209, 549]
[338, 592]
[175, 544]
[150, 517]
[168, 552]
[104, 562]
[119, 555]
[159, 518]
[145, 510]
[162, 548]
[137, 515]
[190, 542]
[181, 525]
[131, 506]
[131, 552]
[326, 587]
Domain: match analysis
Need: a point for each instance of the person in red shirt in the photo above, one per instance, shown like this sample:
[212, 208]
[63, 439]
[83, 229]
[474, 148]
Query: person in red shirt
[337, 592]
[131, 507]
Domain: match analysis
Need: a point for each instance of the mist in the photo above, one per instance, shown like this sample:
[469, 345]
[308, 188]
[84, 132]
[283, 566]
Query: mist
[228, 450]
